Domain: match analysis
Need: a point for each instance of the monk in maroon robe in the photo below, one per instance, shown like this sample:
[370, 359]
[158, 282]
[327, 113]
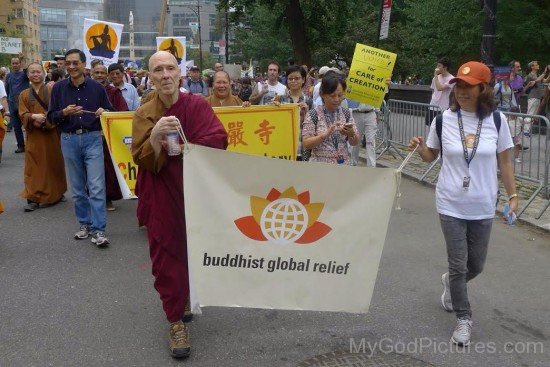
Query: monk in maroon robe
[112, 188]
[160, 184]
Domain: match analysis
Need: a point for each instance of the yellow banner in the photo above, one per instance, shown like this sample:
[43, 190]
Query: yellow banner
[370, 68]
[117, 128]
[268, 131]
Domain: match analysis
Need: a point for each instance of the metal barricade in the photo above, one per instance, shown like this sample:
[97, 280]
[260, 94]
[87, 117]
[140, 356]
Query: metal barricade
[402, 120]
[531, 153]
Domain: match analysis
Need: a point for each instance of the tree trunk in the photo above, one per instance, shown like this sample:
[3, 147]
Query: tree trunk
[297, 30]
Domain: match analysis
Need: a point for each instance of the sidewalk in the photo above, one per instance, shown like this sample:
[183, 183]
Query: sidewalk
[416, 168]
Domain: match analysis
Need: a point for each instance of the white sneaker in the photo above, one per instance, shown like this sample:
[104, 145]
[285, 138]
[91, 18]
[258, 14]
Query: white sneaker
[99, 239]
[446, 300]
[462, 333]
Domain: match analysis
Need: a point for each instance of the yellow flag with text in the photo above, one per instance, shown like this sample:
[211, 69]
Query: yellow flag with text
[370, 68]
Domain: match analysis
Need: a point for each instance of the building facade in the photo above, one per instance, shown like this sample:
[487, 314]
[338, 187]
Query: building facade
[62, 22]
[183, 20]
[19, 18]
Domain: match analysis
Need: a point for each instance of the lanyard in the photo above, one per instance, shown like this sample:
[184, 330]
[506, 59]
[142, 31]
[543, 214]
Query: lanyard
[331, 118]
[463, 138]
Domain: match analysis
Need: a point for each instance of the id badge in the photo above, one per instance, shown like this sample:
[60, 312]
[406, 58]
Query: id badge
[466, 183]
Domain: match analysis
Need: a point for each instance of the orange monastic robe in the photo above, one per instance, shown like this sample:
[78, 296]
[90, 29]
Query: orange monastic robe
[44, 176]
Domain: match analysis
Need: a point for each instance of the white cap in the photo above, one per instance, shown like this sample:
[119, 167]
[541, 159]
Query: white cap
[323, 70]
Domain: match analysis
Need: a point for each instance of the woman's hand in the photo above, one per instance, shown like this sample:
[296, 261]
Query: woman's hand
[348, 131]
[329, 131]
[303, 106]
[416, 141]
[246, 104]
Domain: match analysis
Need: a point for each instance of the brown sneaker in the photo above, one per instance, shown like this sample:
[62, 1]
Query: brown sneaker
[179, 340]
[187, 314]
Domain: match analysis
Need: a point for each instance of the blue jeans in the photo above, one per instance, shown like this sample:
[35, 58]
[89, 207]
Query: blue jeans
[15, 122]
[83, 156]
[467, 244]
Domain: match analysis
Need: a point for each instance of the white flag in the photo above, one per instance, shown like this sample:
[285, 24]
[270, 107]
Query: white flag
[101, 41]
[270, 233]
[176, 46]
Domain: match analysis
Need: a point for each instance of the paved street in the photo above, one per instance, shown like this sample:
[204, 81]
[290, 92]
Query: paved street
[66, 303]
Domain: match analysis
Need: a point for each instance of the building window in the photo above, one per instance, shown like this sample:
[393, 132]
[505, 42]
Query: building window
[53, 15]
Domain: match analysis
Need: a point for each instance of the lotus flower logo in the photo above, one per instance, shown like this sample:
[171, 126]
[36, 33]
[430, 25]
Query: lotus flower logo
[284, 218]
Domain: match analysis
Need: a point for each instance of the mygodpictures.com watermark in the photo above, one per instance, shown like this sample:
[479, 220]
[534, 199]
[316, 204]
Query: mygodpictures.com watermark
[432, 345]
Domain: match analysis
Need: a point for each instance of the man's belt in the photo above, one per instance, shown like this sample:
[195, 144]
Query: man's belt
[81, 131]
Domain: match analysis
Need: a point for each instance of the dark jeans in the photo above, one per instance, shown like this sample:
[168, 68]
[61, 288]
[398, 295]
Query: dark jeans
[15, 122]
[467, 243]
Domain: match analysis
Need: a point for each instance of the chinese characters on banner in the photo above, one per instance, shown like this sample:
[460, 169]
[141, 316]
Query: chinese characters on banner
[370, 68]
[269, 131]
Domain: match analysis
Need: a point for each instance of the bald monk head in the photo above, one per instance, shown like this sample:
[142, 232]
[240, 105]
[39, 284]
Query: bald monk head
[164, 71]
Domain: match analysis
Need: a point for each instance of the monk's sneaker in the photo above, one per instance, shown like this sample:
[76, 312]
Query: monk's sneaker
[179, 340]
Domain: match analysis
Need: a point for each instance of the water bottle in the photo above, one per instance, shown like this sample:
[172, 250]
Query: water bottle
[510, 218]
[173, 144]
[527, 129]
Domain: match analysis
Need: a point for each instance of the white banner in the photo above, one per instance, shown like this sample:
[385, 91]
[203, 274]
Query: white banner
[277, 234]
[10, 45]
[385, 25]
[101, 41]
[176, 46]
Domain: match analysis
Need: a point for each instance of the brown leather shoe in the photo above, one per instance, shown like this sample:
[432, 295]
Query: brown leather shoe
[187, 314]
[179, 340]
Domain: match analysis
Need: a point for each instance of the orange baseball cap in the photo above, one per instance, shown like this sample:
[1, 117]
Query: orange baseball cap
[473, 73]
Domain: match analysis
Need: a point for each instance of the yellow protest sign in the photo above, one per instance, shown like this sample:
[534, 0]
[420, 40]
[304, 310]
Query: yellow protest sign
[370, 68]
[117, 128]
[269, 131]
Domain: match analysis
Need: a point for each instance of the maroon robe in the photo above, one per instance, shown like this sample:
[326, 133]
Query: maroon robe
[112, 188]
[160, 190]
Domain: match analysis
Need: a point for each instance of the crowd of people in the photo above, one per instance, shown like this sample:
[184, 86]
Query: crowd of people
[56, 119]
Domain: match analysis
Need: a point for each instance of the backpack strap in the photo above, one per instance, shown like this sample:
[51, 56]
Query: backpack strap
[497, 120]
[438, 130]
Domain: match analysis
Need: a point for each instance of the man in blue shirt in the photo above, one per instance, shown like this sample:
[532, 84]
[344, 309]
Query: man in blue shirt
[75, 105]
[16, 82]
[129, 92]
[194, 84]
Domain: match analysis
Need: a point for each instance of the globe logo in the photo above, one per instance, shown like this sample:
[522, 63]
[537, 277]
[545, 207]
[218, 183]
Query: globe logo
[283, 221]
[283, 218]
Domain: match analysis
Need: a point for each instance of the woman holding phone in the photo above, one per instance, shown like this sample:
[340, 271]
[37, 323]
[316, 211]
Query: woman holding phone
[329, 128]
[473, 141]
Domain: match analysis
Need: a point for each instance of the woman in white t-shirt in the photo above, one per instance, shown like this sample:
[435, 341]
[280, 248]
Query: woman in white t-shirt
[472, 145]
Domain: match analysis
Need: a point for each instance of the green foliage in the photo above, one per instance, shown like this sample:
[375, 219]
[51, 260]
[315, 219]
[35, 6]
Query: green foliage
[263, 38]
[522, 32]
[421, 31]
